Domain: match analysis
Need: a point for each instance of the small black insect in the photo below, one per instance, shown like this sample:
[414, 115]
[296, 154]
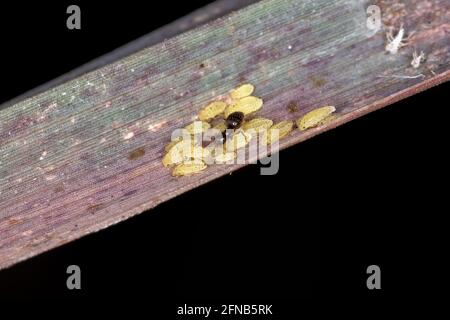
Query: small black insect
[233, 122]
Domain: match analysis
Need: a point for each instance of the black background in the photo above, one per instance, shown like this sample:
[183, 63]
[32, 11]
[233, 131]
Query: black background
[369, 192]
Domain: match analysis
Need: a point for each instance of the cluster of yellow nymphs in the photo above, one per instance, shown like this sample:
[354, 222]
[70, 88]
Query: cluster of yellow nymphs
[187, 155]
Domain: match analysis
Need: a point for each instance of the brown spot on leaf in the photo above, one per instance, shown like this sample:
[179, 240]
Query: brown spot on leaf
[13, 221]
[58, 189]
[92, 209]
[292, 107]
[317, 82]
[129, 193]
[242, 77]
[136, 154]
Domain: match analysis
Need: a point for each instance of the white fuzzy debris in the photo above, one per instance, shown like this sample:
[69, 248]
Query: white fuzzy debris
[417, 59]
[128, 135]
[47, 110]
[396, 42]
[154, 127]
[403, 77]
[43, 155]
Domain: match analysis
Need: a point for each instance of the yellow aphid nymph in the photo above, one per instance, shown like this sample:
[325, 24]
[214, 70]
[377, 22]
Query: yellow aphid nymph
[187, 137]
[197, 127]
[179, 151]
[242, 91]
[212, 110]
[257, 124]
[245, 105]
[197, 152]
[170, 145]
[171, 158]
[279, 131]
[188, 168]
[315, 117]
[257, 127]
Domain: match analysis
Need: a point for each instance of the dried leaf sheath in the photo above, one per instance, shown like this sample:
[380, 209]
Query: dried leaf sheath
[68, 159]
